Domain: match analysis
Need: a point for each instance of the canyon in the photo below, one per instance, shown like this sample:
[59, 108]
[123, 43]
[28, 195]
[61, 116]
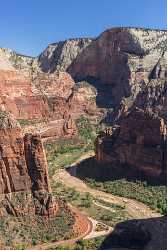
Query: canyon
[104, 79]
[117, 81]
[121, 66]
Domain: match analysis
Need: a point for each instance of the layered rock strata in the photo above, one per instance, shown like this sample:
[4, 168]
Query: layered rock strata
[24, 183]
[125, 59]
[59, 56]
[40, 99]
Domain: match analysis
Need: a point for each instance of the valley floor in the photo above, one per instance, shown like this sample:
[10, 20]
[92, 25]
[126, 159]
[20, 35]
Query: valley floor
[153, 221]
[135, 209]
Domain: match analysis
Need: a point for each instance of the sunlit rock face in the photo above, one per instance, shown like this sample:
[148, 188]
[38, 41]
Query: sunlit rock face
[40, 97]
[59, 56]
[34, 97]
[125, 58]
[43, 98]
[122, 66]
[23, 171]
[10, 60]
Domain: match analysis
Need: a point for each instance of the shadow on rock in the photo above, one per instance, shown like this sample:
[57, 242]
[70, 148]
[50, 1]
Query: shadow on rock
[146, 234]
[91, 169]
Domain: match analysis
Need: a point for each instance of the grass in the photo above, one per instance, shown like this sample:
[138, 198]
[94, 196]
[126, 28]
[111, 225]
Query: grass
[63, 153]
[86, 130]
[153, 196]
[110, 205]
[110, 218]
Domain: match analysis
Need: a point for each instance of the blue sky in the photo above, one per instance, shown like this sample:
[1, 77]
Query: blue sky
[28, 26]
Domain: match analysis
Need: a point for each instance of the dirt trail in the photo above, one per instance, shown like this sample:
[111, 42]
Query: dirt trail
[90, 228]
[135, 209]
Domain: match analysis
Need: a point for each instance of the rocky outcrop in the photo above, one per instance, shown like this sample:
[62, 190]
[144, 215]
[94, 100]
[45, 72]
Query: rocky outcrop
[36, 162]
[46, 99]
[35, 97]
[124, 67]
[139, 142]
[59, 56]
[120, 63]
[10, 60]
[41, 98]
[23, 171]
[14, 173]
[83, 101]
[124, 58]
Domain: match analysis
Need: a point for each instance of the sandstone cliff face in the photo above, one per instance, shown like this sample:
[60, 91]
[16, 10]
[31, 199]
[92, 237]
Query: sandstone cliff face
[138, 142]
[14, 173]
[121, 62]
[40, 97]
[59, 56]
[125, 58]
[125, 66]
[49, 100]
[10, 60]
[23, 171]
[34, 97]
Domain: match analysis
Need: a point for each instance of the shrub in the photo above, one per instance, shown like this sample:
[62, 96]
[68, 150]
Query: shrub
[86, 201]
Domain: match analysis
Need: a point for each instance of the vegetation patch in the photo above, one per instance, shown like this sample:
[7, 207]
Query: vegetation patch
[18, 232]
[118, 182]
[86, 131]
[90, 205]
[92, 244]
[62, 154]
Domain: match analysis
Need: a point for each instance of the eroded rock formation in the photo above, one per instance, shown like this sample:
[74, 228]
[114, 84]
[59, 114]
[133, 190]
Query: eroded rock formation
[24, 184]
[138, 142]
[40, 98]
[124, 58]
[35, 97]
[59, 56]
[123, 64]
[125, 68]
[43, 98]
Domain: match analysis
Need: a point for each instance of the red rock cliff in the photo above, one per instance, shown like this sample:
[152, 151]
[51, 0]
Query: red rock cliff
[139, 142]
[23, 170]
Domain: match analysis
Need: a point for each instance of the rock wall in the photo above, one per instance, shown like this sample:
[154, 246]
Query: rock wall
[59, 56]
[23, 170]
[43, 98]
[14, 173]
[125, 59]
[36, 162]
[138, 142]
[122, 65]
[39, 98]
[35, 97]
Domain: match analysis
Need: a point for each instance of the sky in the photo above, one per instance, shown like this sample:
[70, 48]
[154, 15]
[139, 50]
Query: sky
[28, 26]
